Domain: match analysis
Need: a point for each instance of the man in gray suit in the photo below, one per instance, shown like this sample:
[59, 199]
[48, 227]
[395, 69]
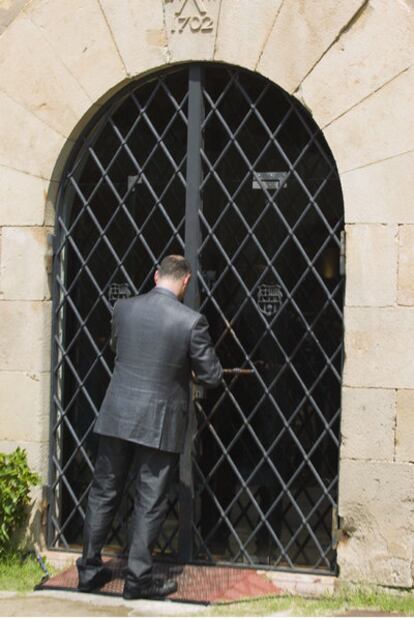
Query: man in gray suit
[159, 343]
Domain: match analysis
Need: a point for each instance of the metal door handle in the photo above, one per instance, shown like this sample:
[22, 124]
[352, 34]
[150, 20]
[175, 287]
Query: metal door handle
[237, 371]
[198, 392]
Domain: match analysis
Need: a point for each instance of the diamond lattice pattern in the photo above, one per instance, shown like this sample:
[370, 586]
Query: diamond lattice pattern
[266, 447]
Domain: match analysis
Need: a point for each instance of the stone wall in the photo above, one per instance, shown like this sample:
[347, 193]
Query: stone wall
[350, 62]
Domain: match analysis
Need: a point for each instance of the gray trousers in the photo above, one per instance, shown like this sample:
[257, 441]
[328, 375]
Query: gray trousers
[152, 476]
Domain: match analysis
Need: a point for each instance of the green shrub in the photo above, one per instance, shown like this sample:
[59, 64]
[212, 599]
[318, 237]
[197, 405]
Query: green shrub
[16, 479]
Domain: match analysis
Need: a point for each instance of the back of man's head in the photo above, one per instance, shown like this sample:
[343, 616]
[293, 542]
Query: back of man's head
[174, 267]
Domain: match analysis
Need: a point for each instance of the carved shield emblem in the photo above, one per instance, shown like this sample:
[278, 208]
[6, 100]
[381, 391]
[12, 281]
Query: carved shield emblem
[119, 291]
[269, 298]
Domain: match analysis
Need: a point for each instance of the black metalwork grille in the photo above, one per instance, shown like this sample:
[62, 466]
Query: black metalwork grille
[123, 210]
[270, 284]
[241, 161]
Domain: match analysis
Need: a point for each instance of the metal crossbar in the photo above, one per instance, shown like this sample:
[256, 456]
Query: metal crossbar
[265, 462]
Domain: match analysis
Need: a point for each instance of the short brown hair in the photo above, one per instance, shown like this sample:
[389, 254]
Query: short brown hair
[174, 267]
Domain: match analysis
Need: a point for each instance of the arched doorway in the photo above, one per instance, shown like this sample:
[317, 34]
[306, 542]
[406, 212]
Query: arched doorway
[218, 163]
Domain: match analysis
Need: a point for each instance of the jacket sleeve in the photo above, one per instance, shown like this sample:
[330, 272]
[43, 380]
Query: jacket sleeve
[114, 334]
[204, 361]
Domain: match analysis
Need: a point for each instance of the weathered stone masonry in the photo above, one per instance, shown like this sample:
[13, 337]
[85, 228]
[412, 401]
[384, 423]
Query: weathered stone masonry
[350, 62]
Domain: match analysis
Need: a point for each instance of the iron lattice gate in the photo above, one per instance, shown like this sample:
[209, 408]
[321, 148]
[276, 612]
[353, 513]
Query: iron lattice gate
[219, 164]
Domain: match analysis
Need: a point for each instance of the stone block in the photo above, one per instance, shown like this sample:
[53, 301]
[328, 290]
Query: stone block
[371, 265]
[378, 347]
[1, 292]
[307, 585]
[51, 202]
[301, 35]
[33, 535]
[376, 507]
[367, 424]
[25, 406]
[353, 68]
[378, 128]
[33, 75]
[23, 272]
[243, 29]
[79, 34]
[8, 11]
[381, 192]
[191, 29]
[139, 31]
[35, 147]
[22, 198]
[25, 336]
[406, 266]
[37, 455]
[404, 444]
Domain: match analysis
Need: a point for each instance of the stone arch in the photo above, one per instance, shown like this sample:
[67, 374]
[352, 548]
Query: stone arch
[55, 70]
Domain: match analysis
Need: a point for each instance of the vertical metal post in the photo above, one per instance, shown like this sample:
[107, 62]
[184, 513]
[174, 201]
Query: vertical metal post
[193, 202]
[193, 205]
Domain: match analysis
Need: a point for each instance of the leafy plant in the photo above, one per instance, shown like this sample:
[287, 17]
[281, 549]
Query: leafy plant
[16, 479]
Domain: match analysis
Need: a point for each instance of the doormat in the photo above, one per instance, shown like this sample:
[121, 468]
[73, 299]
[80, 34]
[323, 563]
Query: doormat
[196, 583]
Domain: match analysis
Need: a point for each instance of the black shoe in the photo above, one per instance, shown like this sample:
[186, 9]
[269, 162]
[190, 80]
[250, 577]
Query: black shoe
[99, 580]
[154, 589]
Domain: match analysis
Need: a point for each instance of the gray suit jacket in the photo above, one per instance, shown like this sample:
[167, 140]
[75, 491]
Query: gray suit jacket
[158, 341]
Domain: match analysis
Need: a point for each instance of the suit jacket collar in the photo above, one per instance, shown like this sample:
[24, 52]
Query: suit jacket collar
[165, 291]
